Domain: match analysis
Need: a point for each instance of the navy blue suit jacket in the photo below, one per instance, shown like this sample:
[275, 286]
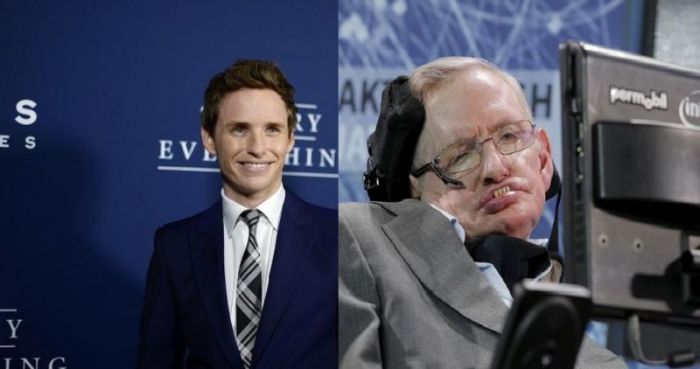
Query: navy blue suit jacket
[186, 322]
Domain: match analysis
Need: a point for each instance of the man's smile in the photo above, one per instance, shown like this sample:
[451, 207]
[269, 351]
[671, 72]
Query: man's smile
[499, 197]
[501, 191]
[255, 166]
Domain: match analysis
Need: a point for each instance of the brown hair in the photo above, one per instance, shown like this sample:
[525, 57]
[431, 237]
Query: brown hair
[242, 74]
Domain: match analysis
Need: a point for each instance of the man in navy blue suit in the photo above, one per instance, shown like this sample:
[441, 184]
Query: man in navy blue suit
[252, 281]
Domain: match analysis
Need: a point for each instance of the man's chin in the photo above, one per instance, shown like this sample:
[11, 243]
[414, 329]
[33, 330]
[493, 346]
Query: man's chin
[509, 224]
[520, 228]
[250, 187]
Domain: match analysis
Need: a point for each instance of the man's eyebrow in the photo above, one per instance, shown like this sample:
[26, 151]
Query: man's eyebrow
[505, 122]
[500, 124]
[234, 123]
[462, 141]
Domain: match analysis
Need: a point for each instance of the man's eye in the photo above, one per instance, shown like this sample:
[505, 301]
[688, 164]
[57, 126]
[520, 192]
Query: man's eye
[462, 156]
[274, 130]
[508, 137]
[463, 161]
[238, 131]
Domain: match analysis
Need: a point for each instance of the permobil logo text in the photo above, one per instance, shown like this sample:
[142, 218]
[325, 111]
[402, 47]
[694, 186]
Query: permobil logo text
[653, 100]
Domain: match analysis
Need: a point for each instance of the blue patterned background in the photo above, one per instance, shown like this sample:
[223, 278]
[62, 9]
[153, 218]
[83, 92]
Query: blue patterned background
[380, 39]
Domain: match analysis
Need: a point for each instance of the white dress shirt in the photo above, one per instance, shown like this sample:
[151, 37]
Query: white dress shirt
[236, 238]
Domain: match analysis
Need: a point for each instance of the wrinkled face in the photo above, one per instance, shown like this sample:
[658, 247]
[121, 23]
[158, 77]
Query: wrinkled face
[505, 194]
[251, 140]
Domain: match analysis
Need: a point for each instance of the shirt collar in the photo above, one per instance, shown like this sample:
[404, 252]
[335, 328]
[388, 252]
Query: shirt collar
[453, 220]
[270, 208]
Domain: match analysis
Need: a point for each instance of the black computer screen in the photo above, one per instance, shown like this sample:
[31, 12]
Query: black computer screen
[631, 177]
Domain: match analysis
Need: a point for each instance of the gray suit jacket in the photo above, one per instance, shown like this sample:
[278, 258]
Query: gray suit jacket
[411, 296]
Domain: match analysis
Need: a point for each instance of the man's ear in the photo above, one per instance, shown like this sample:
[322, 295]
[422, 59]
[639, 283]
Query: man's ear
[545, 156]
[415, 187]
[208, 141]
[291, 142]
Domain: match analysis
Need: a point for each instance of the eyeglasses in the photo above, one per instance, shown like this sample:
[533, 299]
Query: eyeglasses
[463, 156]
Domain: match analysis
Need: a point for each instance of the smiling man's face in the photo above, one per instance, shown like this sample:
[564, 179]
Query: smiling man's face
[505, 194]
[251, 140]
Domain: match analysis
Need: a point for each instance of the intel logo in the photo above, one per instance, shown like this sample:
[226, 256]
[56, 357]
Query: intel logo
[689, 109]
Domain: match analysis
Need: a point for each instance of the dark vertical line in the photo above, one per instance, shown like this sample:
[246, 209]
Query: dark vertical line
[649, 24]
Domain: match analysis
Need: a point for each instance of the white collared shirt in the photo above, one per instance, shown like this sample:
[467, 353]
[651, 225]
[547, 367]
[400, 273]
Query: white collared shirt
[236, 237]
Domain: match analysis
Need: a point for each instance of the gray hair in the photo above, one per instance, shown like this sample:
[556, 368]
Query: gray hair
[429, 77]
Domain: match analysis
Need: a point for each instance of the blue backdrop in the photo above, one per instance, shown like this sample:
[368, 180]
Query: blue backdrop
[99, 145]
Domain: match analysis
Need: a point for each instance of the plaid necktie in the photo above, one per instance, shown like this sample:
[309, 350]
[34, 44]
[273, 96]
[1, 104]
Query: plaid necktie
[249, 292]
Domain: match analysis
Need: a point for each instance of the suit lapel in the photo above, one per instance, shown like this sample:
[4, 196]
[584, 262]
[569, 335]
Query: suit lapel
[429, 245]
[295, 240]
[207, 250]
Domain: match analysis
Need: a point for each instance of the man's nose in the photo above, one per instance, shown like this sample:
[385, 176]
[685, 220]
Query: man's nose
[256, 143]
[493, 165]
